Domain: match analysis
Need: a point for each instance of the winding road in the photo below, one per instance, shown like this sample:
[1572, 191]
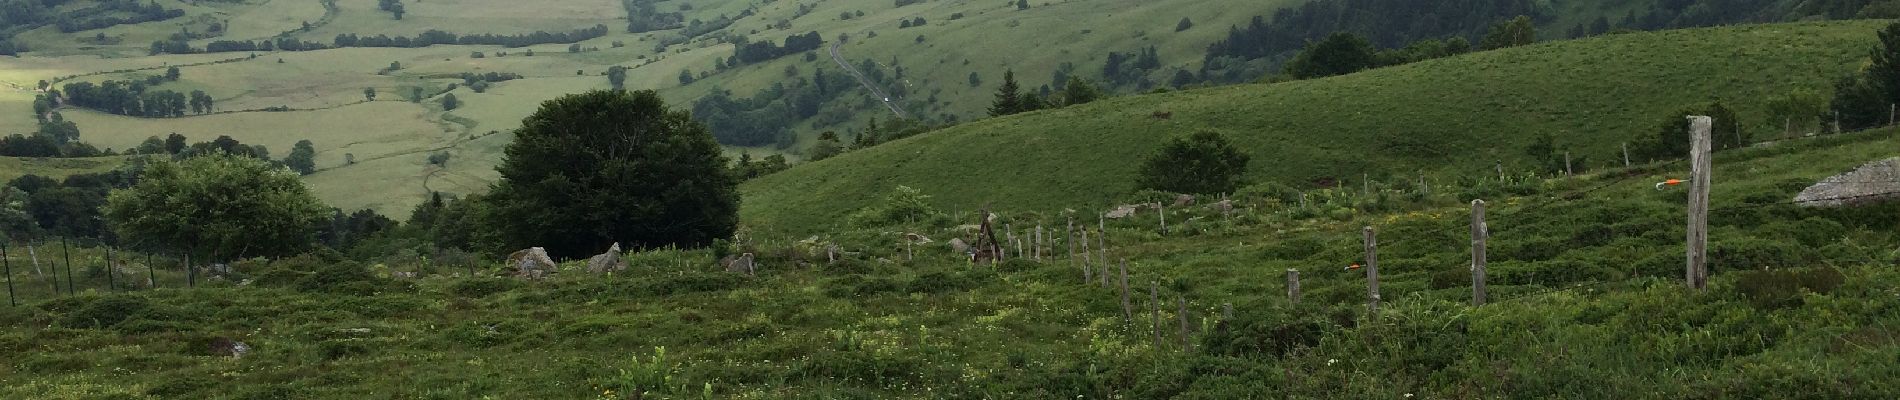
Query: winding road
[866, 82]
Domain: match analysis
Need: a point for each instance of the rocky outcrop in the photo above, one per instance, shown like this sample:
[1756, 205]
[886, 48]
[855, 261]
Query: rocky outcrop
[532, 263]
[609, 261]
[1874, 182]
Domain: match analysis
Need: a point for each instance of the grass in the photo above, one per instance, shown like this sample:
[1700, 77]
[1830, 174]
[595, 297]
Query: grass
[56, 168]
[1586, 304]
[1449, 118]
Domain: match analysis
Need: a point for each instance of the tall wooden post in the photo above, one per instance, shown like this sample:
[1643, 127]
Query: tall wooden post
[151, 272]
[112, 284]
[1038, 246]
[191, 274]
[1101, 241]
[1162, 209]
[1293, 285]
[1070, 239]
[1479, 235]
[67, 248]
[1372, 272]
[1567, 171]
[1128, 308]
[1698, 230]
[1086, 265]
[1500, 171]
[1626, 154]
[1107, 266]
[1154, 302]
[8, 262]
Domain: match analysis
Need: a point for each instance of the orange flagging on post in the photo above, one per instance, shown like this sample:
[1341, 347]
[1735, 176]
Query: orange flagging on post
[1354, 266]
[1671, 182]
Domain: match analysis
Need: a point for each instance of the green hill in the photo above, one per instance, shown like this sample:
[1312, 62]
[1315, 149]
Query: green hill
[1448, 118]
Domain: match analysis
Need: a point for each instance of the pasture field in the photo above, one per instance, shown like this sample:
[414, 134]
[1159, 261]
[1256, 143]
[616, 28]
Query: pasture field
[1449, 118]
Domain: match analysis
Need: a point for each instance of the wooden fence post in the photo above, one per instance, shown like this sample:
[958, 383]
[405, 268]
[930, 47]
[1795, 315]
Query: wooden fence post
[191, 274]
[1128, 309]
[1372, 271]
[1626, 154]
[1698, 230]
[1567, 171]
[112, 284]
[1479, 235]
[1500, 171]
[151, 272]
[1038, 242]
[1293, 285]
[1162, 209]
[1101, 239]
[67, 248]
[1154, 302]
[7, 261]
[1087, 276]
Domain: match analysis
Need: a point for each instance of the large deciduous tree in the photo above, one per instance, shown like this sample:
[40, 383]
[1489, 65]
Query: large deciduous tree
[1200, 163]
[592, 169]
[220, 206]
[1339, 54]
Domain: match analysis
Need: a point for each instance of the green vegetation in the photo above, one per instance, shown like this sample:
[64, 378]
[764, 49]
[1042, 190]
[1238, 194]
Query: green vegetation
[1202, 163]
[1392, 124]
[604, 167]
[1586, 303]
[222, 206]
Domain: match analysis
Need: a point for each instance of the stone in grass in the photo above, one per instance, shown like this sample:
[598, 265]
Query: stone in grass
[1874, 182]
[743, 264]
[531, 263]
[609, 261]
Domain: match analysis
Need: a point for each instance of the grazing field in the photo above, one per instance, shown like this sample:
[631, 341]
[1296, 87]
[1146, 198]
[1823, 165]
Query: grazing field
[1585, 301]
[1449, 118]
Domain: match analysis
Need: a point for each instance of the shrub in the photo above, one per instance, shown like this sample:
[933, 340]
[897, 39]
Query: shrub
[107, 311]
[1202, 163]
[482, 287]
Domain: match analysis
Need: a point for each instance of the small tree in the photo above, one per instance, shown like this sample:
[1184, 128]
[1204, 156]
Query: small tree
[975, 80]
[222, 206]
[1202, 163]
[449, 103]
[302, 158]
[1008, 97]
[1516, 32]
[172, 74]
[1185, 24]
[1079, 91]
[686, 77]
[827, 146]
[617, 76]
[1797, 111]
[369, 94]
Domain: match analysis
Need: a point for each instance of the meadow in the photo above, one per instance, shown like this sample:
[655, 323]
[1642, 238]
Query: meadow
[1586, 301]
[1445, 119]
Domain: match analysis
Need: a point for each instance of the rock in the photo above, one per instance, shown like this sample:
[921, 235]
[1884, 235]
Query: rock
[743, 264]
[229, 348]
[531, 263]
[959, 246]
[1874, 182]
[1123, 211]
[1183, 200]
[1222, 206]
[607, 262]
[917, 238]
[403, 275]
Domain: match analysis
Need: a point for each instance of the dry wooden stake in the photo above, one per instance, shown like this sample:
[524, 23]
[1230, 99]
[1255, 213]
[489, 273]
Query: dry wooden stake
[1480, 233]
[1162, 209]
[1697, 271]
[1293, 285]
[1567, 164]
[7, 262]
[1372, 272]
[1086, 276]
[1626, 154]
[1070, 240]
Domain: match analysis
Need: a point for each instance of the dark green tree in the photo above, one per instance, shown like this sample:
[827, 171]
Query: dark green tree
[1008, 97]
[617, 76]
[175, 143]
[302, 158]
[1516, 32]
[1339, 54]
[1202, 163]
[827, 146]
[1858, 104]
[592, 169]
[172, 74]
[1079, 91]
[369, 94]
[1884, 72]
[1185, 24]
[450, 103]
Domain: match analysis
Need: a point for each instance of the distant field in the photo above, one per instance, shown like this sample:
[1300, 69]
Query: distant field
[1450, 117]
[56, 168]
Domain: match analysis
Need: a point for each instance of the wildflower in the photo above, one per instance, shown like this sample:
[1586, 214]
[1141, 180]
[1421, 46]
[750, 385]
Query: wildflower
[1331, 361]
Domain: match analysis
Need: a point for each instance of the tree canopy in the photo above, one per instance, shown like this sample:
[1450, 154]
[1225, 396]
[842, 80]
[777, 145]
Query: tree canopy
[1200, 163]
[222, 206]
[592, 169]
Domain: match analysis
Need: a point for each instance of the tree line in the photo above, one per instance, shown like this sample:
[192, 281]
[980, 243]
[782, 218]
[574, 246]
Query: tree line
[760, 119]
[129, 12]
[427, 38]
[644, 16]
[134, 97]
[749, 52]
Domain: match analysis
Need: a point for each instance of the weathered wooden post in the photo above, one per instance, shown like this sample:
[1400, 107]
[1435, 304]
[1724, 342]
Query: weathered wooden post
[67, 248]
[1180, 301]
[1372, 272]
[1501, 171]
[7, 261]
[1480, 233]
[191, 274]
[1154, 302]
[151, 272]
[1038, 252]
[1101, 241]
[1567, 171]
[1626, 154]
[1698, 229]
[1293, 285]
[909, 254]
[1086, 265]
[112, 284]
[1128, 309]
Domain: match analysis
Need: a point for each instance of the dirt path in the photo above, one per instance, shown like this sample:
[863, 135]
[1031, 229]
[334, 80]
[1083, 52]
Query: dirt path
[866, 82]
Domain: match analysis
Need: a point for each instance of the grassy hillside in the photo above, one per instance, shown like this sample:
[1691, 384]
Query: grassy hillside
[1584, 276]
[1451, 118]
[56, 168]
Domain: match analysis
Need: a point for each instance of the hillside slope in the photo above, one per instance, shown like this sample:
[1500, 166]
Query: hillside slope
[1450, 117]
